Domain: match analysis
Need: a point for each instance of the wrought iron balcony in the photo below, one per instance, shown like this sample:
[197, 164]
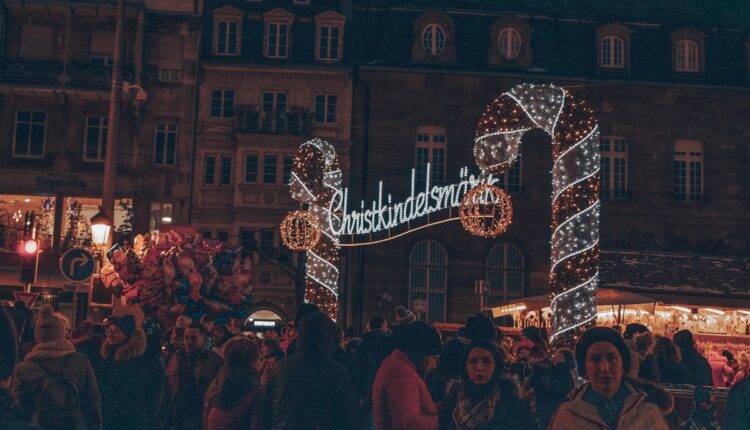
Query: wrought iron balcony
[294, 121]
[53, 73]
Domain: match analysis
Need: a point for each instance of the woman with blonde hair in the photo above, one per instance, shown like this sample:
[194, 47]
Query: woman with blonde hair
[743, 370]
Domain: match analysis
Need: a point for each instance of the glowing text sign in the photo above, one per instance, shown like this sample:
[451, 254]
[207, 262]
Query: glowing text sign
[387, 215]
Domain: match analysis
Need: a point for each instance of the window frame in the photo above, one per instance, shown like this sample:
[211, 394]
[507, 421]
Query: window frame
[612, 192]
[429, 266]
[684, 151]
[511, 30]
[516, 170]
[222, 106]
[275, 156]
[238, 36]
[31, 124]
[329, 19]
[504, 270]
[205, 169]
[326, 109]
[223, 167]
[287, 45]
[609, 61]
[682, 40]
[103, 130]
[433, 28]
[431, 146]
[257, 167]
[682, 49]
[165, 153]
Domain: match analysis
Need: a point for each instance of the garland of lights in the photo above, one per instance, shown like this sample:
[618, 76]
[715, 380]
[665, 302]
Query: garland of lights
[574, 271]
[315, 179]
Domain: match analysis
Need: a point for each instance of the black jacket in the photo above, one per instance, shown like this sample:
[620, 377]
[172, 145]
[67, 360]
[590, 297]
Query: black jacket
[373, 349]
[700, 370]
[511, 412]
[309, 390]
[674, 373]
[649, 369]
[737, 412]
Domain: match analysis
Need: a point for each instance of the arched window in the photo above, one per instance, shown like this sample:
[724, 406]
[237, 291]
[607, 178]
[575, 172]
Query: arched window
[612, 52]
[688, 171]
[433, 39]
[509, 43]
[687, 56]
[505, 273]
[614, 164]
[428, 270]
[431, 143]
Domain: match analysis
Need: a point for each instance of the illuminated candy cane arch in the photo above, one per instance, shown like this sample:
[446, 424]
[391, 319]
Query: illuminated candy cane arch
[574, 270]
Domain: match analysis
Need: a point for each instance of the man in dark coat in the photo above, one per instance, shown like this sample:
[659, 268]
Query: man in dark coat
[190, 372]
[309, 390]
[130, 382]
[373, 349]
[700, 370]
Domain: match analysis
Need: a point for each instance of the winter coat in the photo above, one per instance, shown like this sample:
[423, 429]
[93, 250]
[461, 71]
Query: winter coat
[400, 398]
[186, 402]
[737, 410]
[309, 390]
[47, 360]
[674, 373]
[698, 367]
[644, 408]
[132, 386]
[649, 369]
[234, 401]
[720, 370]
[551, 384]
[267, 366]
[373, 349]
[511, 412]
[91, 348]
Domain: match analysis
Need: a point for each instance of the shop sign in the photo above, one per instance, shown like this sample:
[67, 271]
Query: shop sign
[43, 181]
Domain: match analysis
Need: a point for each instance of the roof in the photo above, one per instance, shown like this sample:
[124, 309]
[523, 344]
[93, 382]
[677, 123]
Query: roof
[689, 275]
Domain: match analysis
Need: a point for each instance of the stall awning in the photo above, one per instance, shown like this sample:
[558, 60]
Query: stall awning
[604, 296]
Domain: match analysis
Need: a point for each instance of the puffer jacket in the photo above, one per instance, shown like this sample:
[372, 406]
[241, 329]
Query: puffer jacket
[48, 359]
[234, 400]
[737, 410]
[720, 370]
[309, 390]
[400, 398]
[644, 408]
[133, 386]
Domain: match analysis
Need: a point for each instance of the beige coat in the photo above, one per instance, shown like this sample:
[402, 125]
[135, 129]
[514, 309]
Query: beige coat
[637, 413]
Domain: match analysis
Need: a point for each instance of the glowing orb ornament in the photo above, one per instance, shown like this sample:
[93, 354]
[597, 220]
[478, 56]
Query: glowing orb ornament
[486, 211]
[300, 230]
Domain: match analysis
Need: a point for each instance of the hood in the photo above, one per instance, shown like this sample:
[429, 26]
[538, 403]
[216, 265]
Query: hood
[234, 383]
[317, 332]
[131, 349]
[50, 350]
[654, 394]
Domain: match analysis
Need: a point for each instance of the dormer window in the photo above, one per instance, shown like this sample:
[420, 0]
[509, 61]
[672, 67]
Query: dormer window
[277, 34]
[433, 39]
[613, 49]
[509, 43]
[686, 56]
[688, 52]
[329, 30]
[227, 33]
[612, 52]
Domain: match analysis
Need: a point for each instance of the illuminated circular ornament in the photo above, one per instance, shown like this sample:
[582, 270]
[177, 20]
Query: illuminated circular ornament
[486, 211]
[300, 230]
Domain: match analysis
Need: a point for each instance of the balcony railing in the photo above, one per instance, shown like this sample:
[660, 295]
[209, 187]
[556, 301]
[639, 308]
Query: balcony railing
[295, 122]
[53, 73]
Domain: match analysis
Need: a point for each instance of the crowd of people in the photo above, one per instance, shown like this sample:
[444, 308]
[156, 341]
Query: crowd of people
[310, 375]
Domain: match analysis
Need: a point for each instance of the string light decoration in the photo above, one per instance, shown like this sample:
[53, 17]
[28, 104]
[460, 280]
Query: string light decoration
[315, 179]
[300, 230]
[574, 270]
[486, 211]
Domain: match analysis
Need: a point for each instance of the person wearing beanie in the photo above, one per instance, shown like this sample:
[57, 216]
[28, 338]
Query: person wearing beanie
[698, 367]
[310, 390]
[404, 316]
[131, 382]
[478, 326]
[234, 399]
[55, 356]
[483, 399]
[189, 373]
[611, 400]
[400, 397]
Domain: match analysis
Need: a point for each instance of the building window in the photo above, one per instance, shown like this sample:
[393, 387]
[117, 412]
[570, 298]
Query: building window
[251, 168]
[277, 40]
[433, 39]
[288, 166]
[29, 134]
[266, 240]
[209, 173]
[274, 109]
[247, 241]
[170, 58]
[511, 179]
[95, 145]
[269, 169]
[226, 37]
[100, 59]
[101, 48]
[431, 146]
[325, 108]
[222, 235]
[328, 43]
[222, 103]
[207, 234]
[614, 167]
[226, 170]
[169, 75]
[505, 273]
[509, 43]
[686, 56]
[688, 171]
[612, 51]
[428, 270]
[165, 144]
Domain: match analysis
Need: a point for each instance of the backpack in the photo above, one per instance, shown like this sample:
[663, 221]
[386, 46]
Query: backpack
[58, 403]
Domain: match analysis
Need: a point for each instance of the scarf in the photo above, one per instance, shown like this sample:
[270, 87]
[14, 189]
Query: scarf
[467, 417]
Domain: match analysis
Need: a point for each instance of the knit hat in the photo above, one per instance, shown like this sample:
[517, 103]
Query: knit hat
[48, 327]
[8, 344]
[418, 340]
[478, 326]
[600, 334]
[302, 310]
[404, 316]
[126, 324]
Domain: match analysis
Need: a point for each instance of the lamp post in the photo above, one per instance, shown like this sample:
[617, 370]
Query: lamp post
[101, 224]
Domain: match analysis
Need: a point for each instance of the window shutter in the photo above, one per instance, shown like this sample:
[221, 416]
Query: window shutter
[103, 42]
[37, 42]
[170, 52]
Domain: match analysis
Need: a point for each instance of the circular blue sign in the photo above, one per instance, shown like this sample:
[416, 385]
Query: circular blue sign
[77, 265]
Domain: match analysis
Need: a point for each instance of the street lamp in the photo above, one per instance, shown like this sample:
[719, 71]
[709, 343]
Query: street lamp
[101, 224]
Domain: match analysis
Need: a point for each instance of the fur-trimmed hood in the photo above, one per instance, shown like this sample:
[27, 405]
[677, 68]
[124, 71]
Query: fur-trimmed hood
[131, 349]
[652, 393]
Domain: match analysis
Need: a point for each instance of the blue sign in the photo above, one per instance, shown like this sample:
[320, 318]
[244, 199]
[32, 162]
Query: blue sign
[77, 265]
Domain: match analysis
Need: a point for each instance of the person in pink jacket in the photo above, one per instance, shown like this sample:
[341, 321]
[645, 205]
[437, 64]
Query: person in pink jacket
[721, 373]
[400, 399]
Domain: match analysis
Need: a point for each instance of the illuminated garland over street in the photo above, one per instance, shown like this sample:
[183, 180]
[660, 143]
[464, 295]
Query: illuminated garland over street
[574, 270]
[316, 178]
